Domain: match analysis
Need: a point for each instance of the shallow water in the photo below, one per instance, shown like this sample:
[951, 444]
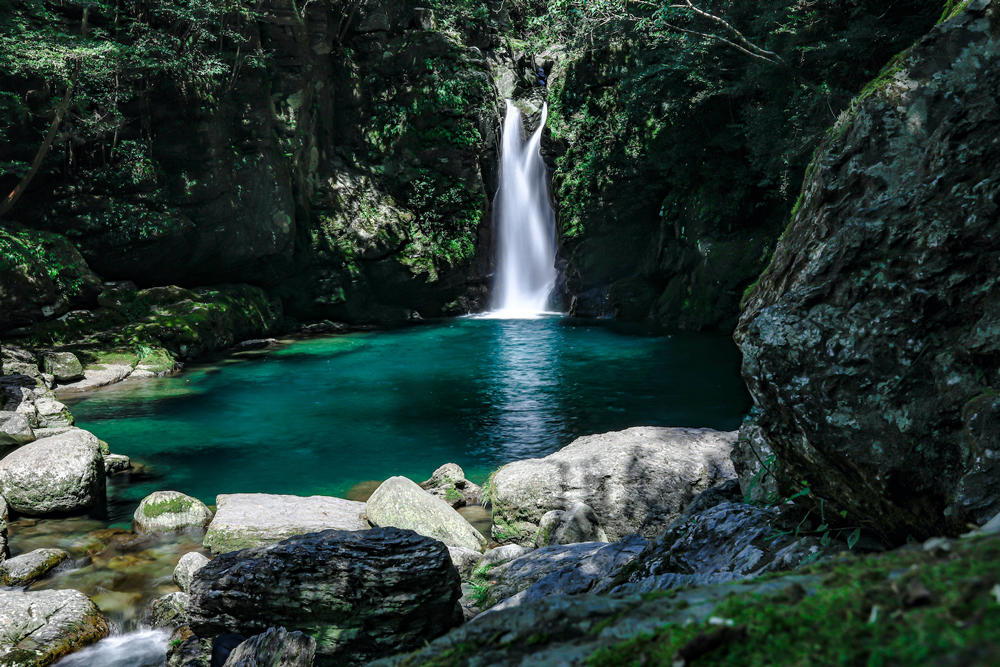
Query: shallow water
[140, 648]
[319, 416]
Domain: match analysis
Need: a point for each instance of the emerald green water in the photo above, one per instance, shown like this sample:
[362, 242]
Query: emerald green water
[319, 416]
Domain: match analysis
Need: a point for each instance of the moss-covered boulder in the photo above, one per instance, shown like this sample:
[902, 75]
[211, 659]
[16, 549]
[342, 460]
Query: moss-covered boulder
[170, 511]
[39, 627]
[26, 568]
[399, 502]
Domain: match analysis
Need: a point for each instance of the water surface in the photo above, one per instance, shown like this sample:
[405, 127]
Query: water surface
[321, 415]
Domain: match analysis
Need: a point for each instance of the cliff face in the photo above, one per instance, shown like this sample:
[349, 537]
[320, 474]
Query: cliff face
[333, 156]
[871, 344]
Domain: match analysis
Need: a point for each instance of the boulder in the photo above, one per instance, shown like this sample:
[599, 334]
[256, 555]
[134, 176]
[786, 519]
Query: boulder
[15, 430]
[116, 463]
[63, 366]
[26, 568]
[4, 515]
[465, 560]
[503, 554]
[637, 480]
[276, 647]
[19, 361]
[254, 519]
[359, 594]
[449, 484]
[34, 400]
[722, 543]
[189, 563]
[60, 474]
[399, 502]
[577, 524]
[39, 627]
[169, 611]
[871, 343]
[169, 512]
[570, 569]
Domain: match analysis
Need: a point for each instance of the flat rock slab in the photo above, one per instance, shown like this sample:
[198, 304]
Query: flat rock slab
[254, 519]
[39, 627]
[24, 569]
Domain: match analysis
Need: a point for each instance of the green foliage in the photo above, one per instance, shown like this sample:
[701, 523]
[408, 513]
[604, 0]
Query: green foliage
[905, 608]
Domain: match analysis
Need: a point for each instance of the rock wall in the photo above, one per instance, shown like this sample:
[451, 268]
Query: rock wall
[870, 343]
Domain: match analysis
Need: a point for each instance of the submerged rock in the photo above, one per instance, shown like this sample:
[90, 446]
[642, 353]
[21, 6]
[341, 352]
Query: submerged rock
[60, 474]
[39, 627]
[26, 568]
[450, 485]
[188, 564]
[276, 647]
[360, 594]
[253, 519]
[637, 480]
[871, 344]
[170, 511]
[401, 503]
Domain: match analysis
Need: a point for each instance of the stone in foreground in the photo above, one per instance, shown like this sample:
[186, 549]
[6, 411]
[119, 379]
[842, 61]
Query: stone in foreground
[60, 474]
[274, 648]
[15, 430]
[637, 480]
[39, 627]
[169, 512]
[254, 519]
[26, 568]
[359, 594]
[399, 502]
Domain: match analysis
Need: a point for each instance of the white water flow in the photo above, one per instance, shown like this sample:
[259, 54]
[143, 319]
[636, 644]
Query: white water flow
[525, 224]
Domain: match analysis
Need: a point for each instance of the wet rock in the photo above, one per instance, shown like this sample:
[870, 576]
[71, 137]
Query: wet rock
[63, 366]
[15, 430]
[253, 519]
[401, 503]
[26, 568]
[722, 543]
[636, 481]
[577, 524]
[450, 485]
[60, 474]
[276, 647]
[255, 344]
[170, 511]
[4, 515]
[570, 569]
[116, 463]
[189, 563]
[465, 560]
[871, 344]
[185, 649]
[360, 594]
[39, 627]
[169, 611]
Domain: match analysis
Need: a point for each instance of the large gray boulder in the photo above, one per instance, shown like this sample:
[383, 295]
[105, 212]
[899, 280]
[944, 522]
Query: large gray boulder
[276, 647]
[399, 502]
[63, 366]
[39, 627]
[636, 481]
[359, 594]
[15, 430]
[170, 512]
[253, 519]
[871, 344]
[26, 568]
[60, 474]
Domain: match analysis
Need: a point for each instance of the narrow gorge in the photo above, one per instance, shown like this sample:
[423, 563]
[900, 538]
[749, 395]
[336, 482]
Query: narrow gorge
[463, 332]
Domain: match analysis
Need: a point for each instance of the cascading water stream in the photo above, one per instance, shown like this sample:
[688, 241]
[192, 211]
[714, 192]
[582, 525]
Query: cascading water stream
[525, 224]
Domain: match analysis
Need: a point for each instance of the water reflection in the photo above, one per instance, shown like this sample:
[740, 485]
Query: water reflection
[524, 381]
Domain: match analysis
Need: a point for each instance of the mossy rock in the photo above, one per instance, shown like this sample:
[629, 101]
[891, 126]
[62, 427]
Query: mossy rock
[170, 511]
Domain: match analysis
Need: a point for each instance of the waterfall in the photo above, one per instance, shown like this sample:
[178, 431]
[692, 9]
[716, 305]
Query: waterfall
[524, 223]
